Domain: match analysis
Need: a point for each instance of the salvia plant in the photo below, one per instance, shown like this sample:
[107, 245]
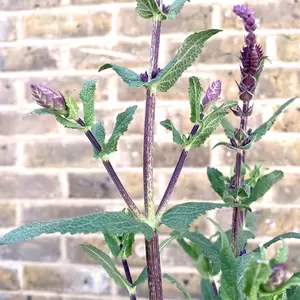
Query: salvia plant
[227, 270]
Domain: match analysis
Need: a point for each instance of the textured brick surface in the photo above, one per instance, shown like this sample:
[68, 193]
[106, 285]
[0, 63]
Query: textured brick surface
[8, 89]
[28, 4]
[10, 279]
[7, 154]
[8, 28]
[9, 212]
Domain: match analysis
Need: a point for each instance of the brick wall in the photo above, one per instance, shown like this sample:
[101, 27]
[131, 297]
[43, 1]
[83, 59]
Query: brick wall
[47, 172]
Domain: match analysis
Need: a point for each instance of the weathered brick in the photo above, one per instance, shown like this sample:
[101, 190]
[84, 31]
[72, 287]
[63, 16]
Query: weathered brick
[287, 190]
[66, 25]
[8, 27]
[85, 2]
[288, 47]
[130, 54]
[28, 4]
[29, 186]
[268, 13]
[71, 84]
[8, 91]
[9, 278]
[40, 249]
[34, 213]
[126, 93]
[29, 58]
[25, 297]
[9, 212]
[7, 154]
[68, 279]
[12, 123]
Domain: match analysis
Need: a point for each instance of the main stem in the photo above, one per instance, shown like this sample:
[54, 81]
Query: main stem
[152, 246]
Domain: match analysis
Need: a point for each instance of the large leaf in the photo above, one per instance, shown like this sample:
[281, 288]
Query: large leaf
[121, 126]
[293, 292]
[176, 135]
[106, 222]
[210, 124]
[68, 124]
[87, 96]
[207, 290]
[174, 9]
[263, 185]
[216, 179]
[181, 216]
[258, 133]
[131, 78]
[180, 287]
[186, 55]
[108, 265]
[147, 8]
[195, 91]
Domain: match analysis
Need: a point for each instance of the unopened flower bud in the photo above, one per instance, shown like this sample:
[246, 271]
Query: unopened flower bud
[165, 8]
[47, 98]
[213, 93]
[144, 76]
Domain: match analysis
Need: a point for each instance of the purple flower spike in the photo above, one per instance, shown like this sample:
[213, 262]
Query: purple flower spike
[243, 11]
[213, 93]
[47, 98]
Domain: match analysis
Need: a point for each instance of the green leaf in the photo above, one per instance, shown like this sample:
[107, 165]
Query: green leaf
[207, 290]
[186, 55]
[112, 243]
[68, 124]
[131, 78]
[293, 292]
[262, 64]
[142, 277]
[98, 131]
[174, 9]
[203, 266]
[127, 244]
[216, 179]
[228, 128]
[195, 91]
[147, 8]
[108, 265]
[282, 254]
[229, 146]
[72, 107]
[121, 126]
[43, 111]
[176, 135]
[251, 221]
[166, 242]
[188, 249]
[180, 287]
[263, 185]
[87, 96]
[180, 217]
[258, 133]
[106, 222]
[210, 124]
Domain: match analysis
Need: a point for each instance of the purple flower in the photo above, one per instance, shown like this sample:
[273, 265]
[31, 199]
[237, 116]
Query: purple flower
[243, 252]
[165, 8]
[144, 76]
[213, 93]
[47, 98]
[243, 11]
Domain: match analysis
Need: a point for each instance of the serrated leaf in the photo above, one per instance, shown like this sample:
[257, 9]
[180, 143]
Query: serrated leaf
[231, 147]
[142, 277]
[180, 287]
[108, 265]
[87, 96]
[106, 222]
[131, 78]
[180, 217]
[228, 128]
[174, 9]
[121, 126]
[258, 133]
[72, 107]
[176, 135]
[68, 124]
[282, 254]
[263, 185]
[216, 179]
[186, 55]
[209, 124]
[112, 243]
[194, 91]
[147, 8]
[98, 131]
[43, 111]
[207, 290]
[127, 244]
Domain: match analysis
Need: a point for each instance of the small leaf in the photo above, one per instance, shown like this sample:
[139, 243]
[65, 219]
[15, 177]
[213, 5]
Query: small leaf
[251, 221]
[147, 8]
[203, 267]
[216, 179]
[229, 146]
[142, 277]
[166, 242]
[131, 78]
[72, 107]
[174, 9]
[228, 128]
[98, 131]
[282, 254]
[195, 91]
[207, 290]
[121, 126]
[127, 244]
[258, 133]
[87, 96]
[180, 287]
[262, 64]
[186, 55]
[112, 243]
[108, 265]
[176, 135]
[68, 124]
[263, 185]
[43, 111]
[190, 251]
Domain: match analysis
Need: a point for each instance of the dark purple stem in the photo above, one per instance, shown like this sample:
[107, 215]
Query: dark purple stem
[114, 177]
[128, 276]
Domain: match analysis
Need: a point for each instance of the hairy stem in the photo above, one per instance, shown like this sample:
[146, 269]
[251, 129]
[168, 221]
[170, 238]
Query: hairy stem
[114, 177]
[152, 246]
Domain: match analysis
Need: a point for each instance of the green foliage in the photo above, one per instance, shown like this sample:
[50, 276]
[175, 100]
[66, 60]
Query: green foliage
[195, 91]
[180, 287]
[209, 124]
[186, 55]
[188, 249]
[235, 148]
[106, 222]
[72, 107]
[87, 96]
[113, 244]
[131, 78]
[108, 265]
[127, 244]
[142, 277]
[147, 8]
[43, 111]
[228, 128]
[68, 124]
[98, 131]
[174, 9]
[203, 266]
[293, 292]
[207, 290]
[282, 255]
[216, 179]
[176, 135]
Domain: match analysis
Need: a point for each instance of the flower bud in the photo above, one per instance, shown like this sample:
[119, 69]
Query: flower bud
[213, 93]
[47, 98]
[144, 76]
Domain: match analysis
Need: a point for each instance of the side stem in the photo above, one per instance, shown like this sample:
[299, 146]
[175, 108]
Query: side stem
[128, 276]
